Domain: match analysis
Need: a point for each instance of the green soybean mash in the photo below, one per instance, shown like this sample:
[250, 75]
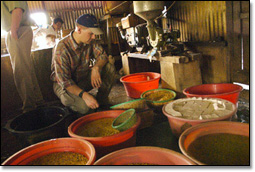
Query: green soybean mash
[60, 158]
[221, 149]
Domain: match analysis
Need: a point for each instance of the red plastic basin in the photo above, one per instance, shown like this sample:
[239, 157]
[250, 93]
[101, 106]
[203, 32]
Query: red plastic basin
[225, 91]
[136, 84]
[105, 145]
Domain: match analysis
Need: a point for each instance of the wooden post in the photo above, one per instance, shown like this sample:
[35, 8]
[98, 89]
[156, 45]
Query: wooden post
[125, 64]
[109, 40]
[178, 76]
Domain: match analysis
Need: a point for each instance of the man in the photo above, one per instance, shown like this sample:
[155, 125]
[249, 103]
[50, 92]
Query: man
[15, 20]
[74, 72]
[46, 37]
[53, 31]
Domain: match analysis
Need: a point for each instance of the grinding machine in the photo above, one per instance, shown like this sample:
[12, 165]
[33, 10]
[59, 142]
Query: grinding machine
[150, 36]
[154, 39]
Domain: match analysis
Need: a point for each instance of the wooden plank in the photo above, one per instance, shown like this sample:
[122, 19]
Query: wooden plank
[187, 75]
[105, 17]
[246, 45]
[194, 56]
[246, 42]
[167, 75]
[236, 59]
[172, 59]
[180, 76]
[244, 15]
[125, 64]
[229, 37]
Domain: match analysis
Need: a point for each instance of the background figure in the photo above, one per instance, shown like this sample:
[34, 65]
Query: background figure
[15, 20]
[46, 37]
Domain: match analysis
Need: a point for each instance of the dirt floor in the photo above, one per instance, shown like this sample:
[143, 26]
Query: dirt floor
[159, 134]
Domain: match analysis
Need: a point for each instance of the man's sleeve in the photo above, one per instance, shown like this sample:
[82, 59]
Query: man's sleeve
[99, 52]
[16, 4]
[62, 67]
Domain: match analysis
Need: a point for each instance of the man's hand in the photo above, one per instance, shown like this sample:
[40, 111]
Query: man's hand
[90, 100]
[95, 77]
[14, 35]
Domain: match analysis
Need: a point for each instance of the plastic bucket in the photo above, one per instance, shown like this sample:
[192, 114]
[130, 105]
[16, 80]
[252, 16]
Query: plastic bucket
[136, 84]
[225, 91]
[105, 145]
[144, 155]
[28, 154]
[39, 125]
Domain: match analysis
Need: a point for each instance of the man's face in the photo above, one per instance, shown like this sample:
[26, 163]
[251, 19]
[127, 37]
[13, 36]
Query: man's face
[86, 35]
[57, 26]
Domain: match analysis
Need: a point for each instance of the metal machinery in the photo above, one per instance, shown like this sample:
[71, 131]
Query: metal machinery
[149, 37]
[155, 40]
[149, 10]
[134, 33]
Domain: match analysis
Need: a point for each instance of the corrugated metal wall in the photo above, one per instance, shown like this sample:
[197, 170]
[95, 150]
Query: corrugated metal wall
[199, 20]
[69, 11]
[35, 6]
[196, 20]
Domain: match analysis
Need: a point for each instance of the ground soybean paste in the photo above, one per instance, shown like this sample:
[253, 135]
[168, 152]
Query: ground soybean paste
[60, 158]
[97, 128]
[221, 149]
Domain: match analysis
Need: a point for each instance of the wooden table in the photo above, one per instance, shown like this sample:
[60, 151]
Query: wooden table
[177, 72]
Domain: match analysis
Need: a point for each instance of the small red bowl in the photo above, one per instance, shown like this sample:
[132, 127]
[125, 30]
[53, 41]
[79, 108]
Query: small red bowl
[137, 83]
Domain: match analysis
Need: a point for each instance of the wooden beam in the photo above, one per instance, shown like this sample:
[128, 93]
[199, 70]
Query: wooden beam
[171, 59]
[230, 37]
[244, 15]
[76, 9]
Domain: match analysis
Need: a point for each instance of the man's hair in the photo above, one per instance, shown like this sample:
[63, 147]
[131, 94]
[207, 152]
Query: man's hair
[58, 19]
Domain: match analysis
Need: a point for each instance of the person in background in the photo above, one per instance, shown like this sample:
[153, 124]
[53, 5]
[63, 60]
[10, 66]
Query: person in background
[79, 64]
[16, 21]
[46, 37]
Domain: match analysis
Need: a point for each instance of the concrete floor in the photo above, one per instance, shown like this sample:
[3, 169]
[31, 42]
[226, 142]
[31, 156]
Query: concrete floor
[10, 144]
[159, 134]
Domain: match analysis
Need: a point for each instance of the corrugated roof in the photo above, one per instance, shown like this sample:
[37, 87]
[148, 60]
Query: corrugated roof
[69, 11]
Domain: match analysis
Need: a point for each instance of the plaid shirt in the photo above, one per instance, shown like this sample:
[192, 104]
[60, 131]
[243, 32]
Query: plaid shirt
[70, 61]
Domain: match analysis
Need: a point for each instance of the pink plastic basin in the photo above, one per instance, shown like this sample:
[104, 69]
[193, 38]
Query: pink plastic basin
[144, 155]
[28, 154]
[193, 133]
[225, 91]
[136, 84]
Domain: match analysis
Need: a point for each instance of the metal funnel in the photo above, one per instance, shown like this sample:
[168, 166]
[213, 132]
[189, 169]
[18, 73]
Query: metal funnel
[148, 10]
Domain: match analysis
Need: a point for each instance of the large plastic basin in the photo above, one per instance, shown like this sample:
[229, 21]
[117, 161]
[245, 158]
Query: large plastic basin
[225, 91]
[105, 145]
[137, 83]
[210, 128]
[38, 125]
[28, 154]
[146, 155]
[179, 125]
